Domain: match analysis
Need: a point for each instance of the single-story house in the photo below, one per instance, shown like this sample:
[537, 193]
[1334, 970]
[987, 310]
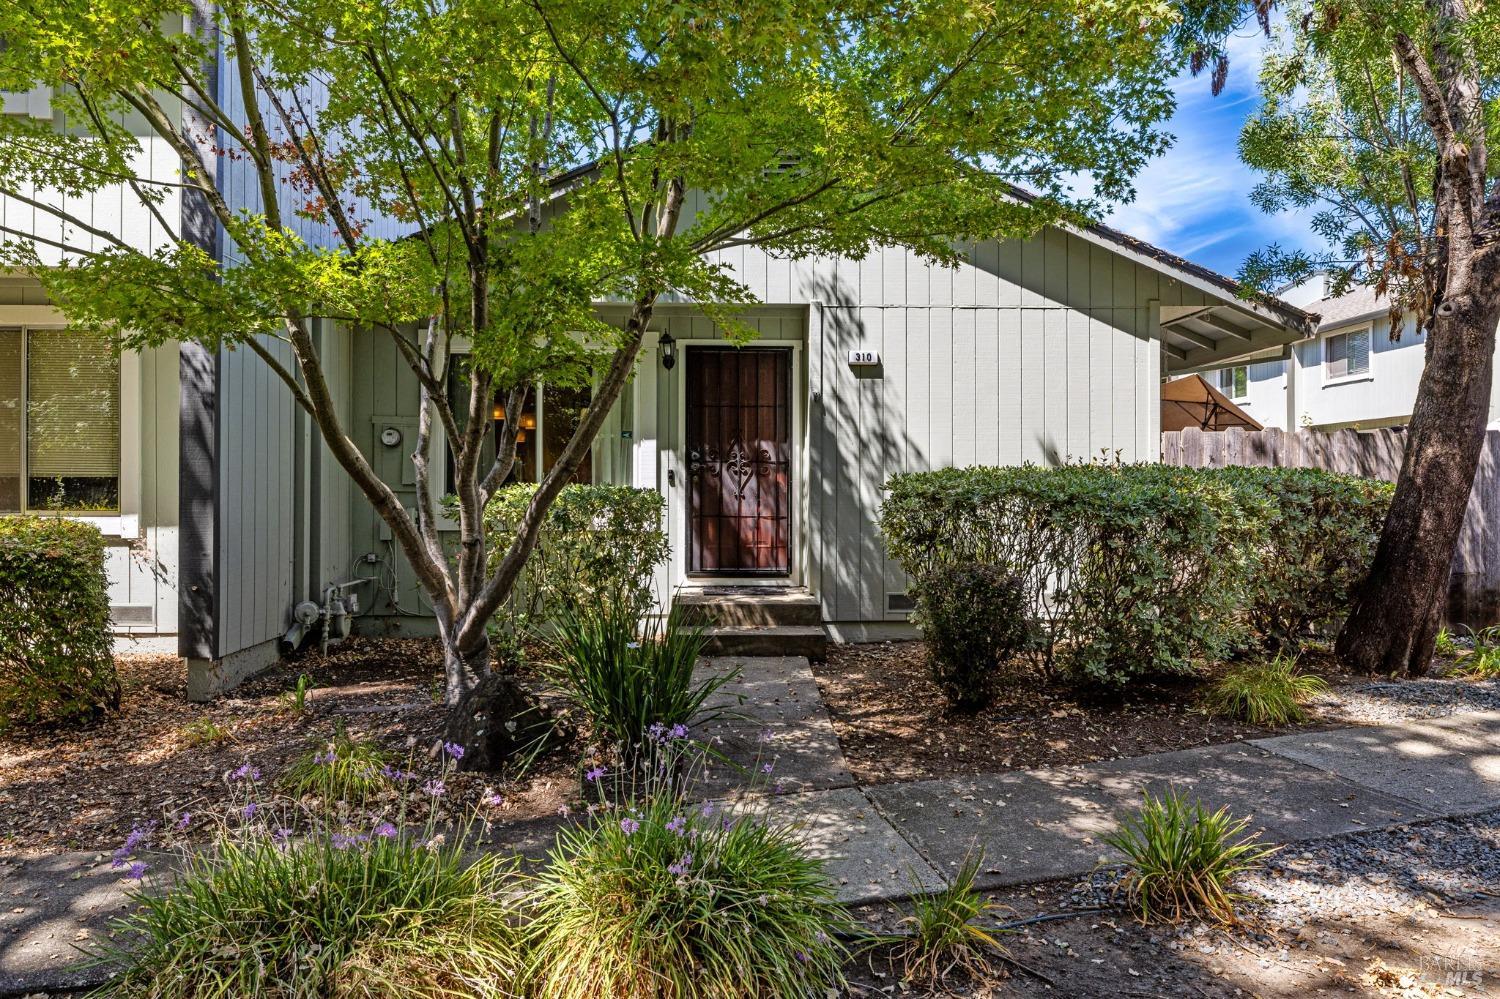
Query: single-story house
[224, 512]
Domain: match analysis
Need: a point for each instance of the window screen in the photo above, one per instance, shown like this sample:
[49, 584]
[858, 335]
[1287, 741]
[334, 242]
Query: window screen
[1347, 354]
[72, 427]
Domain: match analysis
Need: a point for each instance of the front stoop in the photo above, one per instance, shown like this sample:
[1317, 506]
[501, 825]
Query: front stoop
[755, 620]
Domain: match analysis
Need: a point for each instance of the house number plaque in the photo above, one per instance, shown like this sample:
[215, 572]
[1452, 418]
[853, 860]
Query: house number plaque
[863, 358]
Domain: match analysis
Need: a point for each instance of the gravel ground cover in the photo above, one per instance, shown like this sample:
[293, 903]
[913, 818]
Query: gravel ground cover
[1406, 912]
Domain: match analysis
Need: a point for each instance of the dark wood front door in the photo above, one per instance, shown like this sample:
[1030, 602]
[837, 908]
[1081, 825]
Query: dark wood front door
[739, 447]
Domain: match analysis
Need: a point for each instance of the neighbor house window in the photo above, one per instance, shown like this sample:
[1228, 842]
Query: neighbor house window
[59, 422]
[548, 420]
[1346, 354]
[1235, 382]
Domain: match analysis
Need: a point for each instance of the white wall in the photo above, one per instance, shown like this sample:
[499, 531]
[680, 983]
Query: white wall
[141, 559]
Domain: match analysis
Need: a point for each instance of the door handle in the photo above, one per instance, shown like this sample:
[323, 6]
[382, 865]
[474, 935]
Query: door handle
[671, 477]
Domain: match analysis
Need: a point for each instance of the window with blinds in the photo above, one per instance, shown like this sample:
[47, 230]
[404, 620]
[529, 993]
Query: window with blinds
[59, 421]
[1346, 354]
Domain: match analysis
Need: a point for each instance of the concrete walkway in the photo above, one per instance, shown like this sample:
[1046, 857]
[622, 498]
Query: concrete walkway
[880, 840]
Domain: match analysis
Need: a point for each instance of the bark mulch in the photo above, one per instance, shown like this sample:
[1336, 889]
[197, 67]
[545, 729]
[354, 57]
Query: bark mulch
[84, 788]
[893, 724]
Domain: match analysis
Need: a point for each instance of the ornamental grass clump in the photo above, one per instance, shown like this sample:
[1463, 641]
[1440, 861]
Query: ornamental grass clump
[284, 905]
[674, 899]
[1183, 859]
[1483, 661]
[628, 676]
[944, 935]
[344, 768]
[1270, 693]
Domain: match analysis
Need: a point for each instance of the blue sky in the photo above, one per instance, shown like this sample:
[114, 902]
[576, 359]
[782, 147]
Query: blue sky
[1194, 200]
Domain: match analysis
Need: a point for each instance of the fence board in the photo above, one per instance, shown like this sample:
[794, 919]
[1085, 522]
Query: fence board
[1473, 587]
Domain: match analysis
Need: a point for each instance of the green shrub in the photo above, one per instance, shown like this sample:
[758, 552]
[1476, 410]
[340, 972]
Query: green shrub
[1269, 693]
[1483, 661]
[973, 617]
[944, 936]
[342, 769]
[1128, 570]
[56, 663]
[1183, 859]
[204, 732]
[628, 676]
[672, 900]
[598, 543]
[1445, 645]
[1314, 537]
[325, 915]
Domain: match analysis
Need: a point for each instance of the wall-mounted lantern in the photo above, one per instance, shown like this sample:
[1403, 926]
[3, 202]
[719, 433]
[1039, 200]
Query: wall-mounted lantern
[668, 351]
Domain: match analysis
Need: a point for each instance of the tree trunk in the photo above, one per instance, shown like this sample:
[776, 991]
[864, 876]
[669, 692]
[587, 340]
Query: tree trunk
[1394, 621]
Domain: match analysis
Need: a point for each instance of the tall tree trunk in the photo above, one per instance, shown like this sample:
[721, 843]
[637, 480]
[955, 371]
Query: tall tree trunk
[1394, 621]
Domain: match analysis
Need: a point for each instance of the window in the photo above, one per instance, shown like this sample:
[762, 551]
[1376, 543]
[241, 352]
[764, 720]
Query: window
[549, 418]
[1235, 382]
[59, 422]
[1346, 354]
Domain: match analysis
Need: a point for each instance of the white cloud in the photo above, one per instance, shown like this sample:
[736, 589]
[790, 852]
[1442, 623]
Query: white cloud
[1194, 200]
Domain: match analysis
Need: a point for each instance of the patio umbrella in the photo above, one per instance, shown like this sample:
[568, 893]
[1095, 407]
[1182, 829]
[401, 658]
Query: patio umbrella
[1192, 402]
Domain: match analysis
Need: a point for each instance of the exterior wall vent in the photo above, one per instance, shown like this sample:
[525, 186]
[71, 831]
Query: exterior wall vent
[900, 602]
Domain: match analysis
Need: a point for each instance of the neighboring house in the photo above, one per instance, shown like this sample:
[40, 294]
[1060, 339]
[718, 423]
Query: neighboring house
[1352, 374]
[228, 512]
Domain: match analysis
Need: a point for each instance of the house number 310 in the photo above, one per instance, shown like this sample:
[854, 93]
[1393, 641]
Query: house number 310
[863, 357]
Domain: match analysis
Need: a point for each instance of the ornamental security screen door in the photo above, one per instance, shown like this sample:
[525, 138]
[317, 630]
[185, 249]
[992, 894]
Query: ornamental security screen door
[739, 447]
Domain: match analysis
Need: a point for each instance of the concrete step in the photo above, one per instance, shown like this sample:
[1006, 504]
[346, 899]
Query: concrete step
[748, 607]
[763, 640]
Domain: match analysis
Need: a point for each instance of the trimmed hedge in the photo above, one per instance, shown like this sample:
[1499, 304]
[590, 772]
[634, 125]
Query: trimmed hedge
[1131, 570]
[56, 664]
[599, 543]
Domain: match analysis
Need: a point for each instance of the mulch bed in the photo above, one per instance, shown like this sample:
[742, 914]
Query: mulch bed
[84, 788]
[893, 724]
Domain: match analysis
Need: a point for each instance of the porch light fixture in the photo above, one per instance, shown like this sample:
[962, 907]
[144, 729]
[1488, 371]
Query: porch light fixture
[668, 351]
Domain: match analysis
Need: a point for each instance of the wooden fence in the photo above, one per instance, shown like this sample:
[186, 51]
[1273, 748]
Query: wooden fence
[1474, 586]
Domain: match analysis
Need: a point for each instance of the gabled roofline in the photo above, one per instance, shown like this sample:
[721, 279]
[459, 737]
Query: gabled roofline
[1267, 306]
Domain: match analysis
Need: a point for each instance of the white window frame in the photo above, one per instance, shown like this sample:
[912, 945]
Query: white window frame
[125, 522]
[1234, 396]
[1363, 375]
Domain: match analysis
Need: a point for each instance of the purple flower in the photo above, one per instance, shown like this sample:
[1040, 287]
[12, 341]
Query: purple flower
[683, 865]
[656, 731]
[139, 835]
[182, 823]
[707, 809]
[325, 759]
[280, 836]
[493, 800]
[137, 871]
[679, 731]
[435, 787]
[766, 768]
[249, 810]
[385, 831]
[802, 956]
[454, 750]
[594, 774]
[246, 771]
[628, 826]
[677, 825]
[632, 645]
[778, 788]
[391, 773]
[766, 735]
